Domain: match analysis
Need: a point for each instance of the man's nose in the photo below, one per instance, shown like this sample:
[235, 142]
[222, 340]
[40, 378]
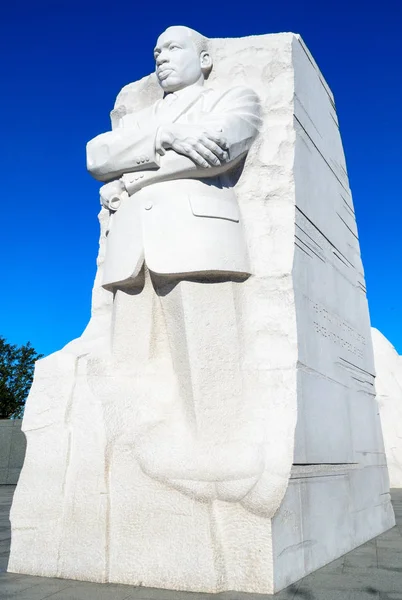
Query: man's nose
[161, 58]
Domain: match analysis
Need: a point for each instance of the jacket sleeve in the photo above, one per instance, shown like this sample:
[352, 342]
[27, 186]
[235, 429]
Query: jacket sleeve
[111, 154]
[237, 113]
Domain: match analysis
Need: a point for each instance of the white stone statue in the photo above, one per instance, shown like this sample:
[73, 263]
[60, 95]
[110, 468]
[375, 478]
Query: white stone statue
[178, 161]
[177, 224]
[388, 385]
[215, 426]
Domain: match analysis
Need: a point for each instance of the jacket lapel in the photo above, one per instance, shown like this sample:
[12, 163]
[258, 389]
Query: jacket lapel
[185, 100]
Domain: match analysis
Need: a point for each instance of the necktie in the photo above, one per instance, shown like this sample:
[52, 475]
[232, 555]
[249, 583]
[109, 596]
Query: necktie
[169, 99]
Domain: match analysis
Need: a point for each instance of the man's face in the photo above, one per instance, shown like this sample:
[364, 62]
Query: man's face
[178, 62]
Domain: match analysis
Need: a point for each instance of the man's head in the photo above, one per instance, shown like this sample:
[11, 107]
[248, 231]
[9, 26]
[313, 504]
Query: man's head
[182, 58]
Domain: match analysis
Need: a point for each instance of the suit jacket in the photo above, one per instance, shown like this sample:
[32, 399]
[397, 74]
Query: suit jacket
[180, 218]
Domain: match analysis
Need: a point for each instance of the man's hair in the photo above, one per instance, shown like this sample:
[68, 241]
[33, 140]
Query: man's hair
[200, 41]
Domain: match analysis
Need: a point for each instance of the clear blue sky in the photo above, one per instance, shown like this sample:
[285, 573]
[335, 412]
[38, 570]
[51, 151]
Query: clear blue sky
[62, 64]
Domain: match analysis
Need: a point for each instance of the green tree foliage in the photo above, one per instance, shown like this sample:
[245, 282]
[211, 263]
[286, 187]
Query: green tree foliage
[16, 374]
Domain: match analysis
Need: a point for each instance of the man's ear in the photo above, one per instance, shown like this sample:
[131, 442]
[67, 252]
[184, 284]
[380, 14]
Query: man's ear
[206, 63]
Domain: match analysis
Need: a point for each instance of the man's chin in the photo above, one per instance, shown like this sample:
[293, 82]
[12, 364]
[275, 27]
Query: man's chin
[169, 87]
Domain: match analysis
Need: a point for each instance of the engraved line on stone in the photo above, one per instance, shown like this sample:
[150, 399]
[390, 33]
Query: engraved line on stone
[307, 115]
[336, 165]
[316, 476]
[363, 380]
[310, 371]
[320, 75]
[356, 367]
[348, 210]
[321, 154]
[303, 250]
[327, 250]
[346, 225]
[348, 205]
[306, 145]
[309, 236]
[323, 234]
[341, 259]
[311, 249]
[334, 120]
[323, 464]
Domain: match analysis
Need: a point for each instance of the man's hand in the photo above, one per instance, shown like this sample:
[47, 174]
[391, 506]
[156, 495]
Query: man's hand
[205, 146]
[110, 194]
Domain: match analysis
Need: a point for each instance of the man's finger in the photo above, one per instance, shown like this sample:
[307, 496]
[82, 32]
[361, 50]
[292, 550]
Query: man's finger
[217, 150]
[207, 154]
[197, 158]
[189, 151]
[217, 137]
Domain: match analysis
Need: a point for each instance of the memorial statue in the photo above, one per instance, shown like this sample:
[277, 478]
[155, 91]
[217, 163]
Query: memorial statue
[204, 433]
[171, 171]
[174, 166]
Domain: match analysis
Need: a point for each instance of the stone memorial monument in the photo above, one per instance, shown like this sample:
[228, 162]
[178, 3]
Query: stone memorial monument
[388, 368]
[215, 426]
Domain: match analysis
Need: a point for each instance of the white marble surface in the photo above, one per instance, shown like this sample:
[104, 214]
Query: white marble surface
[327, 514]
[143, 518]
[135, 510]
[388, 367]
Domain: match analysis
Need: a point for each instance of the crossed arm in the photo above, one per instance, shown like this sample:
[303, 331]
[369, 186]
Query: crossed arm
[208, 148]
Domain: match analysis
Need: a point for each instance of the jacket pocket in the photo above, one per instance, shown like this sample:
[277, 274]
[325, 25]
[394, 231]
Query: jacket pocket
[217, 208]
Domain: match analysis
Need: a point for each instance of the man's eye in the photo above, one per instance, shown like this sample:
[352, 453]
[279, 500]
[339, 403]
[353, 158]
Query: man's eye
[174, 47]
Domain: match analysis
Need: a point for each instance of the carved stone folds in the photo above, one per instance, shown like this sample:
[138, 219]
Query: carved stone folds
[167, 462]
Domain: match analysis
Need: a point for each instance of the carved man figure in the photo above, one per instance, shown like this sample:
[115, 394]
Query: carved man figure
[178, 161]
[175, 239]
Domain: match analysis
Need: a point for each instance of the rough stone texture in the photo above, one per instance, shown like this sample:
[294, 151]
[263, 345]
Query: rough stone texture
[388, 366]
[84, 509]
[12, 450]
[370, 572]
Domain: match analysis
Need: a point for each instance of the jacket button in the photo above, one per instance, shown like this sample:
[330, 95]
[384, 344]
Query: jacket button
[148, 205]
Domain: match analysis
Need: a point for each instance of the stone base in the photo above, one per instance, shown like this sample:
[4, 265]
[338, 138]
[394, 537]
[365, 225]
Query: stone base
[327, 511]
